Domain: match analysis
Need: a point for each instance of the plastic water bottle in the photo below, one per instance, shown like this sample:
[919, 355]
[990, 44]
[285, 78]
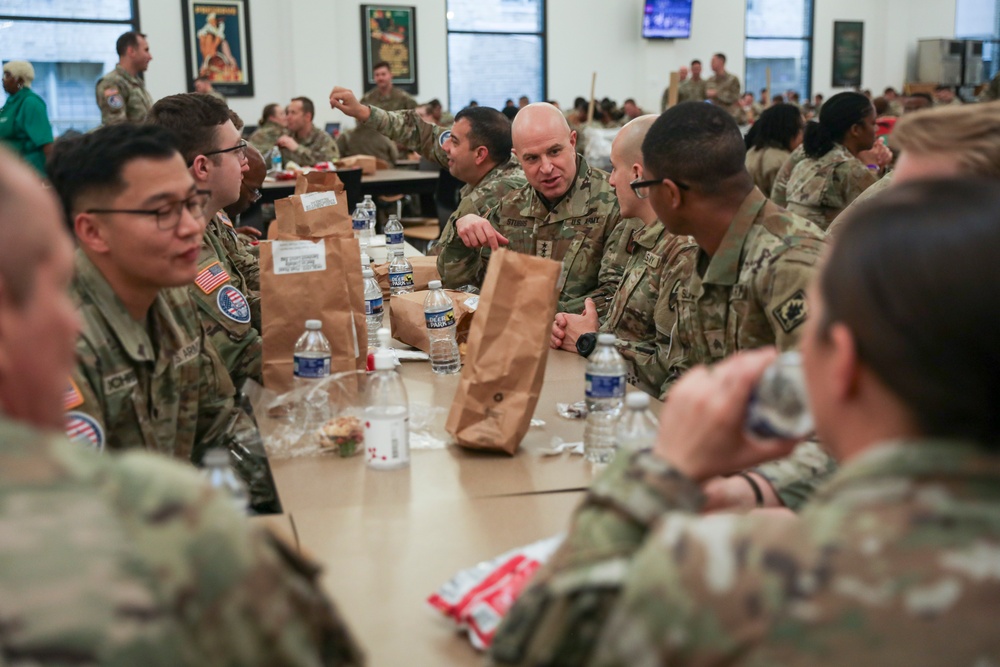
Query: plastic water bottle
[310, 366]
[637, 426]
[605, 386]
[387, 412]
[359, 224]
[221, 477]
[439, 314]
[400, 274]
[370, 209]
[393, 235]
[274, 160]
[373, 306]
[779, 404]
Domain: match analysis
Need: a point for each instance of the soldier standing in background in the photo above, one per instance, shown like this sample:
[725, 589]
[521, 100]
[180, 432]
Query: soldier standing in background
[695, 88]
[121, 93]
[888, 565]
[643, 313]
[384, 95]
[723, 89]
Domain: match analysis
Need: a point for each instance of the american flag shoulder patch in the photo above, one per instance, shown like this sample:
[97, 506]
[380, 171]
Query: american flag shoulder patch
[72, 398]
[211, 277]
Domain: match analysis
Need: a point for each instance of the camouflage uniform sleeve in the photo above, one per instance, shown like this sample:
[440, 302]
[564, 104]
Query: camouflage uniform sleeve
[84, 399]
[779, 192]
[611, 270]
[257, 602]
[408, 129]
[458, 264]
[264, 139]
[796, 477]
[559, 619]
[781, 291]
[222, 423]
[111, 100]
[729, 91]
[318, 147]
[668, 360]
[857, 179]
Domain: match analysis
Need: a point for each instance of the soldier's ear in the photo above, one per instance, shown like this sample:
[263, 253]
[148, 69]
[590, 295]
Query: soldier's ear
[482, 153]
[90, 233]
[199, 168]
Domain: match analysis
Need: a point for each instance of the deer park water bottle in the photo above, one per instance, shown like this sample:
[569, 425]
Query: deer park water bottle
[439, 314]
[779, 404]
[400, 274]
[373, 306]
[393, 235]
[387, 412]
[359, 225]
[274, 160]
[310, 366]
[605, 389]
[372, 212]
[637, 427]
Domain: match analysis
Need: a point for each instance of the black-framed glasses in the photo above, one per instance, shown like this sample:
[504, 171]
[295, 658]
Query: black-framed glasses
[641, 188]
[167, 216]
[240, 149]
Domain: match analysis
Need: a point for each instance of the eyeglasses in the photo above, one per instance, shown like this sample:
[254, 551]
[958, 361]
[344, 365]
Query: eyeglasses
[167, 216]
[641, 188]
[253, 193]
[240, 149]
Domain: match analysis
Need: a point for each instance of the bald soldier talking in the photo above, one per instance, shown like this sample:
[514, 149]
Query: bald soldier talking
[567, 211]
[130, 559]
[657, 264]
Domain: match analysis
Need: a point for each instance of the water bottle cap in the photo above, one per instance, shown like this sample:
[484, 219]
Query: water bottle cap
[637, 400]
[606, 339]
[367, 272]
[314, 325]
[368, 197]
[385, 360]
[434, 284]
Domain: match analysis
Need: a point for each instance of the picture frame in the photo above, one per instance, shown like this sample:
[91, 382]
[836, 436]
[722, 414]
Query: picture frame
[389, 33]
[848, 53]
[217, 45]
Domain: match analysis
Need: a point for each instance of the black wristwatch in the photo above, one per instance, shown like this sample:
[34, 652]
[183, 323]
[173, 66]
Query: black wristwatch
[586, 343]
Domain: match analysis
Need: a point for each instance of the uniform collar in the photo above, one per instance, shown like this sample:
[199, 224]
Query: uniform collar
[131, 78]
[648, 235]
[574, 204]
[724, 266]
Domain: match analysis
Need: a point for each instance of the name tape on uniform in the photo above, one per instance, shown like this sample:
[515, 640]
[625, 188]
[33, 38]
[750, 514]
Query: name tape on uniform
[314, 200]
[298, 256]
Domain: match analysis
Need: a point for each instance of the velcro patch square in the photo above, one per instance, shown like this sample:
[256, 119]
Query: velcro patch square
[792, 312]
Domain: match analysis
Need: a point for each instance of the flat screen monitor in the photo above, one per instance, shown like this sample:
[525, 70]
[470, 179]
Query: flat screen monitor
[667, 19]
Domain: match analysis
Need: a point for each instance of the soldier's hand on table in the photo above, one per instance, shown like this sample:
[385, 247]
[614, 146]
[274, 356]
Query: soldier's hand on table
[345, 100]
[571, 326]
[288, 143]
[879, 154]
[701, 424]
[477, 232]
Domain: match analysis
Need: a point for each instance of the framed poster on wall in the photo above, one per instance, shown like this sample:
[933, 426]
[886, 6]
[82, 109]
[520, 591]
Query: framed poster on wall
[389, 34]
[217, 45]
[848, 52]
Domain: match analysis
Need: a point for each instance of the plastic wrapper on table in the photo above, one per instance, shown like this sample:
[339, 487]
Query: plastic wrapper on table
[478, 598]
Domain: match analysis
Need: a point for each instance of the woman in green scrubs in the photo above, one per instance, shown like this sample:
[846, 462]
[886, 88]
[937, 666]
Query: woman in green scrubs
[24, 119]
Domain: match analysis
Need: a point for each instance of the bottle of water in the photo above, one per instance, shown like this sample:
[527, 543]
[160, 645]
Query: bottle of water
[637, 426]
[359, 224]
[393, 235]
[310, 366]
[605, 380]
[387, 412]
[274, 160]
[400, 274]
[373, 306]
[779, 404]
[220, 475]
[370, 209]
[439, 314]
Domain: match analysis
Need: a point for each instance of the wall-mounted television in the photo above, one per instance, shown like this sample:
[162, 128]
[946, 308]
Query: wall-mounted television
[667, 19]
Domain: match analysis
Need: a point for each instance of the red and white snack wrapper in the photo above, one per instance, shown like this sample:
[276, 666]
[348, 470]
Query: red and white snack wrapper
[478, 598]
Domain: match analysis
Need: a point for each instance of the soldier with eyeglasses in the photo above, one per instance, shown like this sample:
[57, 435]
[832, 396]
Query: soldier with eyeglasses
[147, 374]
[227, 285]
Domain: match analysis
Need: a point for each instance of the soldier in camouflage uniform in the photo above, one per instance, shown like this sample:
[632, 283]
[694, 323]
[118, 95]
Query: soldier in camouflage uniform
[567, 211]
[779, 191]
[365, 140]
[269, 128]
[694, 89]
[305, 144]
[476, 150]
[121, 560]
[754, 263]
[147, 375]
[656, 265]
[723, 88]
[227, 286]
[121, 93]
[888, 564]
[831, 175]
[384, 95]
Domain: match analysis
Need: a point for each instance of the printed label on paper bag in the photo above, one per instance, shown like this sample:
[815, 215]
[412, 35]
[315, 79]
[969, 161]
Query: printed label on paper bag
[314, 200]
[472, 303]
[298, 256]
